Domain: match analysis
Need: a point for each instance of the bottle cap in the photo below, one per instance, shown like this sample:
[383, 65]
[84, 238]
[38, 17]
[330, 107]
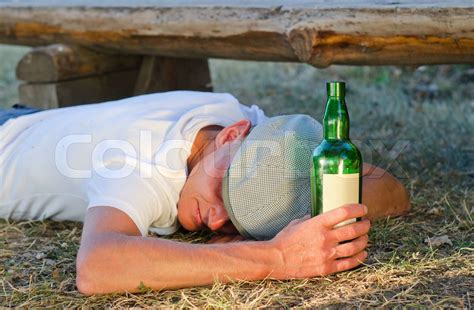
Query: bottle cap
[336, 89]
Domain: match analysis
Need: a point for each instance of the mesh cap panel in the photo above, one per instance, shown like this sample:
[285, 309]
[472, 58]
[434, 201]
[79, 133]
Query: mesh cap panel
[268, 185]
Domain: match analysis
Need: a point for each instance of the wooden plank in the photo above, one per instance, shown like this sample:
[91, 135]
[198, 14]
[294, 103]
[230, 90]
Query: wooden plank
[61, 62]
[111, 86]
[237, 3]
[317, 32]
[158, 74]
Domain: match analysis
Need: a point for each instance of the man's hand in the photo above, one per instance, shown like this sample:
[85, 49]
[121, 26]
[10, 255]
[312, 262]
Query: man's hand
[312, 247]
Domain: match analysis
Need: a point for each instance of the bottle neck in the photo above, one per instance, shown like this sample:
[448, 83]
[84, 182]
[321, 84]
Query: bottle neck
[336, 119]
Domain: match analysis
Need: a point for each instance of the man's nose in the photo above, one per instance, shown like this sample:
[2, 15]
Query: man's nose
[218, 217]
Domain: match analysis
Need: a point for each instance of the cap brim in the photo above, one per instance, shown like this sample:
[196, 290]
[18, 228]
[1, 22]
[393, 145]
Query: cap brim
[228, 206]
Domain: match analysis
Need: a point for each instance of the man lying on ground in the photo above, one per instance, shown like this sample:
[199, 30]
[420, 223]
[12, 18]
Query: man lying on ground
[199, 160]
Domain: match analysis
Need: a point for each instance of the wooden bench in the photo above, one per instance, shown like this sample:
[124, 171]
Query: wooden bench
[114, 49]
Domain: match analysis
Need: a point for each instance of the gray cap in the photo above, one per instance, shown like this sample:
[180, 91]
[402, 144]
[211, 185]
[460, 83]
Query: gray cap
[267, 184]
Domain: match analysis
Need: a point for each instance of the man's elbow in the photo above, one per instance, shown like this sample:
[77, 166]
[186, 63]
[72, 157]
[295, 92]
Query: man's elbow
[405, 201]
[384, 194]
[401, 198]
[92, 266]
[86, 275]
[84, 284]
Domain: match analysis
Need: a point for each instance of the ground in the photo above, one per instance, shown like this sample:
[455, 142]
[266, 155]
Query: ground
[418, 123]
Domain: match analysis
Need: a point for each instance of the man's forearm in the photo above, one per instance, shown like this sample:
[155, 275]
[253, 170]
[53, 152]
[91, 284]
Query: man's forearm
[117, 263]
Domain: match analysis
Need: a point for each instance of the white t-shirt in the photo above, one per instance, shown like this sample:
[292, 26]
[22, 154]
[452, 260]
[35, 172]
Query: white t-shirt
[129, 154]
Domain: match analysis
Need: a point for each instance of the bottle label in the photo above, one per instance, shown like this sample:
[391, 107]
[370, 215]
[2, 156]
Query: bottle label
[338, 190]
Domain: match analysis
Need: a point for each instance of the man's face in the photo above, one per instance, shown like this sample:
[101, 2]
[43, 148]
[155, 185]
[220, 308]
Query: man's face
[200, 205]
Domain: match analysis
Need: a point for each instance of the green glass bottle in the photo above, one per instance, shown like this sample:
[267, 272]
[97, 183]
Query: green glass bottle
[336, 170]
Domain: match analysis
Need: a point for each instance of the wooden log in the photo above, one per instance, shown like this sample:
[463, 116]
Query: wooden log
[319, 32]
[61, 62]
[94, 89]
[158, 74]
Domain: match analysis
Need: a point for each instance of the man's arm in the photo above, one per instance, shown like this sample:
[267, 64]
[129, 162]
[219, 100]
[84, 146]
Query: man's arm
[114, 258]
[383, 194]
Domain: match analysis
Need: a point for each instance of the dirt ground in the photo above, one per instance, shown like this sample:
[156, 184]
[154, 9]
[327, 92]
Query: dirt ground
[418, 123]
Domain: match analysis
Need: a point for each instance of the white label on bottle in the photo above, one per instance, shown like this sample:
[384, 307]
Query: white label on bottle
[338, 190]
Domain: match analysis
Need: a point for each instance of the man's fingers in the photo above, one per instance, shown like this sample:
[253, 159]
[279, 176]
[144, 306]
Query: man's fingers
[351, 248]
[351, 231]
[350, 262]
[341, 214]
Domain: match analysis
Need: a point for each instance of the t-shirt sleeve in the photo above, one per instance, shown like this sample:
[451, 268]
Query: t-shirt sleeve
[133, 194]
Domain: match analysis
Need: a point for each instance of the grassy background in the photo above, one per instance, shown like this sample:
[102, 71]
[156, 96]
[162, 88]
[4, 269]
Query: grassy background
[416, 122]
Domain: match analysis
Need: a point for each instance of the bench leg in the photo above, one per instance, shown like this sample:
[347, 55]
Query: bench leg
[93, 89]
[159, 74]
[61, 75]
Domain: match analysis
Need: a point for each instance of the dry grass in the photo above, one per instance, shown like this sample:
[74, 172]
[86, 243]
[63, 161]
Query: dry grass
[425, 113]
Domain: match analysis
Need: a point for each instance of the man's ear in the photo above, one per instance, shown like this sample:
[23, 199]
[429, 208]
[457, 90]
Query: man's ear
[236, 131]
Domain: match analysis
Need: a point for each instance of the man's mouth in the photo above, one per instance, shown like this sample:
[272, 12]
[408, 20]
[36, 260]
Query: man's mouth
[197, 216]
